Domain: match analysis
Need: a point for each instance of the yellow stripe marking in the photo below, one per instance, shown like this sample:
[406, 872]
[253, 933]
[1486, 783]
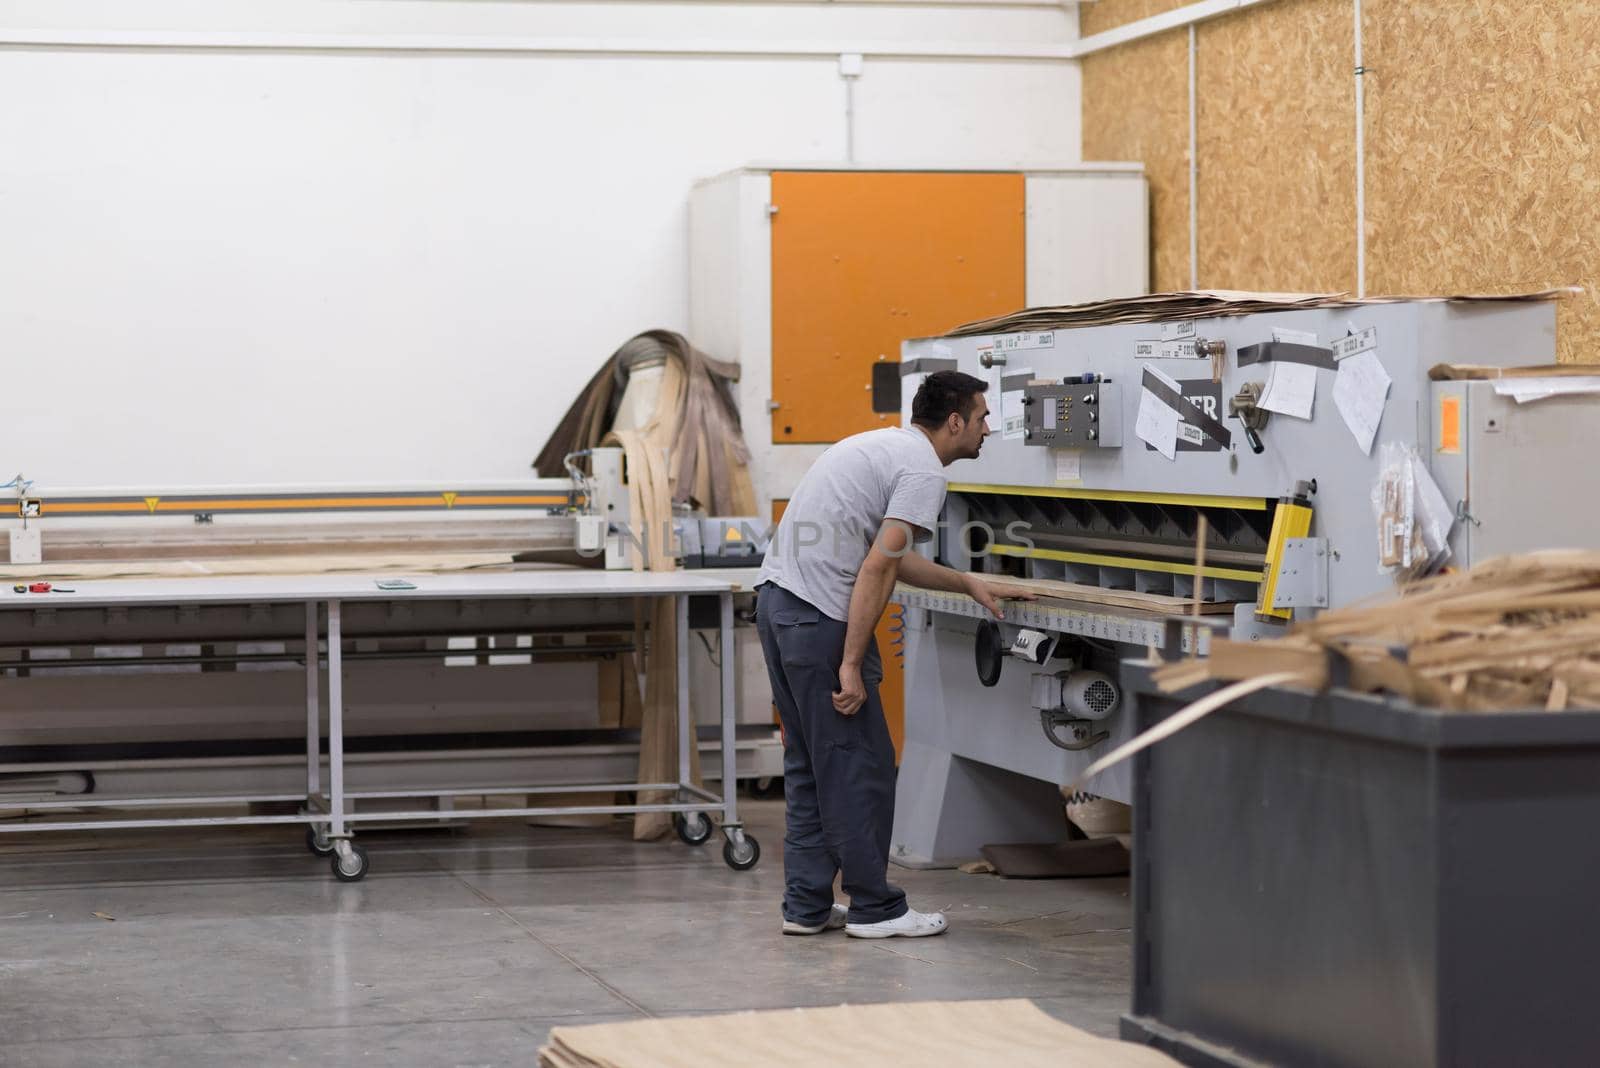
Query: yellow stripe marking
[482, 501]
[1129, 563]
[54, 508]
[1193, 500]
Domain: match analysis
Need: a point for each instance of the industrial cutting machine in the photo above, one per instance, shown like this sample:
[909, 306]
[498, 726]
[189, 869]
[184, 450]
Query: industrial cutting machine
[1250, 468]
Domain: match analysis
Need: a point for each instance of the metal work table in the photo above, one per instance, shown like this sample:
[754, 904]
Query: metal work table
[326, 811]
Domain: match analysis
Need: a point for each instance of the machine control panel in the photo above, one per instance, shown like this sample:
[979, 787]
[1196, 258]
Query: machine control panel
[1081, 413]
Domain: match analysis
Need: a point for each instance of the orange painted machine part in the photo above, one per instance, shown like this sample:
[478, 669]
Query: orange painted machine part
[892, 691]
[864, 260]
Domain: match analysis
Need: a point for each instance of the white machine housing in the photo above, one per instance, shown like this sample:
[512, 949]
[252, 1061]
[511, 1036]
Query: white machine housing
[976, 768]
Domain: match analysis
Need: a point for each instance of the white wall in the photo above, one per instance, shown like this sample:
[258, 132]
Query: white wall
[349, 247]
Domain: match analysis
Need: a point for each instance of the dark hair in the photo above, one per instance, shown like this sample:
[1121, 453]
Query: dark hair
[944, 393]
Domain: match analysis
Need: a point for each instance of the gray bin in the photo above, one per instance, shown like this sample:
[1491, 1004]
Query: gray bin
[1346, 880]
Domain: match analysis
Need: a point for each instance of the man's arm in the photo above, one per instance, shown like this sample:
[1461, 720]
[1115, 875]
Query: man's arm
[874, 583]
[891, 559]
[987, 591]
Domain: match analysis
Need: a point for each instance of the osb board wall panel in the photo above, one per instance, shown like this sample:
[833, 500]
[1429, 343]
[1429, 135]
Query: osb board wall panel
[1481, 167]
[1136, 107]
[1277, 149]
[1481, 122]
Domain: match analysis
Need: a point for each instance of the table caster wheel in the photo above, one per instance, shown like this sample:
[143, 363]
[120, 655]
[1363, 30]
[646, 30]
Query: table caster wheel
[318, 842]
[692, 827]
[743, 854]
[351, 867]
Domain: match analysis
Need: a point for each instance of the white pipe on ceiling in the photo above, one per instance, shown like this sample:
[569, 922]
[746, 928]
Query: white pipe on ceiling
[228, 40]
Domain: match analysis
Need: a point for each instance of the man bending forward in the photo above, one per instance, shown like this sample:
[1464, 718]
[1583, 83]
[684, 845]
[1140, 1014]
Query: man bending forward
[845, 538]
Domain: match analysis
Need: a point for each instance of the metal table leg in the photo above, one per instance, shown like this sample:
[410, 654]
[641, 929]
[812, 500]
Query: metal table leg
[692, 827]
[686, 724]
[316, 833]
[740, 850]
[349, 859]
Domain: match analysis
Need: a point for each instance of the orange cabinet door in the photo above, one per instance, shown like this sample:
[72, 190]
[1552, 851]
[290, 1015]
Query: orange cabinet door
[863, 260]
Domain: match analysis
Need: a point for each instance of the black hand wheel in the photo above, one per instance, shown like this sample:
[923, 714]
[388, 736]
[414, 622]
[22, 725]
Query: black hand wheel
[989, 652]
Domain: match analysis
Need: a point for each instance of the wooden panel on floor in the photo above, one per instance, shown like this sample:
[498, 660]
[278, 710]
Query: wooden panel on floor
[956, 1034]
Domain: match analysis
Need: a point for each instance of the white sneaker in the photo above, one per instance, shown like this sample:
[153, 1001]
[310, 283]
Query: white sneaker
[836, 919]
[913, 924]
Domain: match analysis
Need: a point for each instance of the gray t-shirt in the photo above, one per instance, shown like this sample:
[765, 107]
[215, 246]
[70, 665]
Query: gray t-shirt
[834, 514]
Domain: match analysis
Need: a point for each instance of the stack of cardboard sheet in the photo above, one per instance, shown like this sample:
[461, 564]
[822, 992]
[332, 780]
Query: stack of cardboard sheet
[1203, 304]
[959, 1034]
[1517, 632]
[1471, 372]
[1151, 308]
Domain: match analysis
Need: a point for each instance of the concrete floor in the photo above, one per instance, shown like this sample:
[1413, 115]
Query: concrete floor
[175, 948]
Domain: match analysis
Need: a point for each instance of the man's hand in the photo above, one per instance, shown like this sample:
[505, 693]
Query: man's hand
[989, 592]
[852, 692]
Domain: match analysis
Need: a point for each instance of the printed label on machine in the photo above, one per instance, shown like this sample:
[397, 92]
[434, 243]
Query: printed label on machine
[1345, 347]
[1205, 401]
[1291, 389]
[1158, 419]
[1029, 340]
[1360, 391]
[1200, 428]
[1069, 465]
[1013, 416]
[1172, 349]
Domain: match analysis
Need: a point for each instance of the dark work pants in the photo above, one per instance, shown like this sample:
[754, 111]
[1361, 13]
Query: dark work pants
[838, 771]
